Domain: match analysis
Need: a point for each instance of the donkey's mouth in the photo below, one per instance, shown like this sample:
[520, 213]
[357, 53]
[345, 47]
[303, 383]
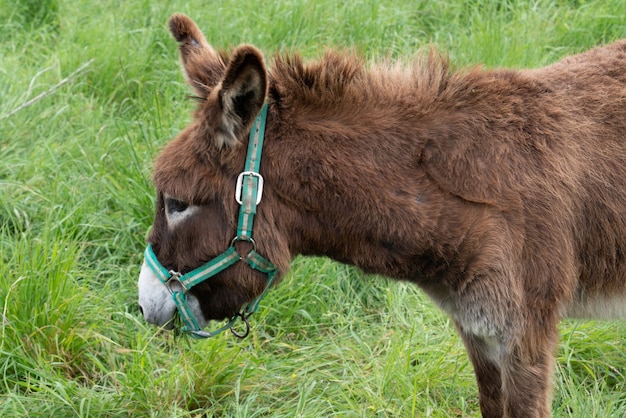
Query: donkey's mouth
[173, 323]
[166, 319]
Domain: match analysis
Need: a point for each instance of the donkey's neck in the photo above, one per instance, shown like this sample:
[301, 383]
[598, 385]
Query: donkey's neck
[346, 144]
[357, 193]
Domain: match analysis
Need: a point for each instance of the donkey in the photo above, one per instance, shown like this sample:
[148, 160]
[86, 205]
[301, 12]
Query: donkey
[500, 193]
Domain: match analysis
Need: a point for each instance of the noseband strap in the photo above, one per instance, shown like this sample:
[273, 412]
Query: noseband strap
[248, 193]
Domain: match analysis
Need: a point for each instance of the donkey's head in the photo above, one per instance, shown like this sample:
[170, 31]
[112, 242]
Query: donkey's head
[195, 177]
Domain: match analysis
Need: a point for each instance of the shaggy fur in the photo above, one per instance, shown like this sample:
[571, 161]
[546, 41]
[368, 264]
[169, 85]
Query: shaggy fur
[501, 193]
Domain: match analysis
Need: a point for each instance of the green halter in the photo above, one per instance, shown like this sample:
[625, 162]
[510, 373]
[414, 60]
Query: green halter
[249, 191]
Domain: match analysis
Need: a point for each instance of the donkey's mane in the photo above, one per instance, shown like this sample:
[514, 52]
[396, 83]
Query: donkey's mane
[344, 77]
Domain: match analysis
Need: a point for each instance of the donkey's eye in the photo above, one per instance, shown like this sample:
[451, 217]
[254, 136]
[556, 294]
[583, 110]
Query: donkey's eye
[174, 205]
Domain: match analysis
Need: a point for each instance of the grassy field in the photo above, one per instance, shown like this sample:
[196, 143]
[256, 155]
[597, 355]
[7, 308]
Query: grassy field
[89, 93]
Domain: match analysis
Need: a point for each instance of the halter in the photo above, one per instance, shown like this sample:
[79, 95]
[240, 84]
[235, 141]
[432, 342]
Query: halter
[248, 193]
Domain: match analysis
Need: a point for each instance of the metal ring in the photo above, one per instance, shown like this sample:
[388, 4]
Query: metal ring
[238, 238]
[244, 318]
[175, 278]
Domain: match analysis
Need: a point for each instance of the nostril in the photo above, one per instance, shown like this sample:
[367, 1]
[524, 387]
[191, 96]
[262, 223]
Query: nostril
[141, 310]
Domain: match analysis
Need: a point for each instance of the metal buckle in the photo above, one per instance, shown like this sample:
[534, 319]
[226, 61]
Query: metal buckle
[259, 192]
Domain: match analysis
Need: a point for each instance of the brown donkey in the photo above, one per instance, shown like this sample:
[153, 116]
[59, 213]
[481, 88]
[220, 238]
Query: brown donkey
[500, 193]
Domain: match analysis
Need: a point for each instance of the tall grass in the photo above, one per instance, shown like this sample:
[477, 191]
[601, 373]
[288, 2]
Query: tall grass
[76, 201]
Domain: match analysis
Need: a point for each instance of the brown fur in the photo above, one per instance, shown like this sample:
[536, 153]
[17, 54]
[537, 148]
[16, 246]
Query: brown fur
[501, 193]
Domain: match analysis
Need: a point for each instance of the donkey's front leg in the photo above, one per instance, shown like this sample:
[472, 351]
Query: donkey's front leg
[528, 365]
[514, 373]
[482, 354]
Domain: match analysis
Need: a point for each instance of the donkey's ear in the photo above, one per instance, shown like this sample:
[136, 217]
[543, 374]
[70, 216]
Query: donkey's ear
[242, 93]
[203, 66]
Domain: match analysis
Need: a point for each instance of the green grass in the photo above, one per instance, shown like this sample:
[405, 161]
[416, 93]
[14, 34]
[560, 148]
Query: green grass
[76, 201]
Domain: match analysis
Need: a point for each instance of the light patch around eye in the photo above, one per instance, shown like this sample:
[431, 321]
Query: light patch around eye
[175, 218]
[175, 213]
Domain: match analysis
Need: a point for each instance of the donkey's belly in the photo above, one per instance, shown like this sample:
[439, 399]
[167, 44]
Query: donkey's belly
[597, 306]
